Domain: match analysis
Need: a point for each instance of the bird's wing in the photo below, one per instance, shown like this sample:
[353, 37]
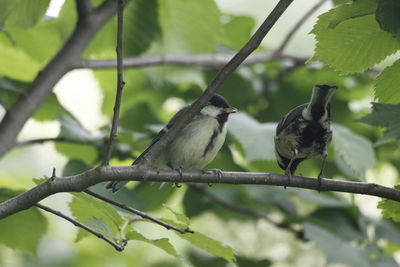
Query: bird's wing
[291, 116]
[161, 133]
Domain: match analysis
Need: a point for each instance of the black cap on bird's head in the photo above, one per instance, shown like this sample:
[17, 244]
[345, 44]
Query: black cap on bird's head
[220, 102]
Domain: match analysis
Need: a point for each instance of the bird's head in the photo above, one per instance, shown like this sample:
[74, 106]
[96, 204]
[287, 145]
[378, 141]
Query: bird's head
[218, 106]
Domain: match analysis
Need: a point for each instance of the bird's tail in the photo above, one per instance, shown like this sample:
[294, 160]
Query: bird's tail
[320, 97]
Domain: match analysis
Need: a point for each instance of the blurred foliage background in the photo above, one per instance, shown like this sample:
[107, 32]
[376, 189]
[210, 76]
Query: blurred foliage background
[235, 224]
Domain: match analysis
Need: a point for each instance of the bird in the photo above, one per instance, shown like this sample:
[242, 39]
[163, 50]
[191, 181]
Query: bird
[305, 132]
[196, 144]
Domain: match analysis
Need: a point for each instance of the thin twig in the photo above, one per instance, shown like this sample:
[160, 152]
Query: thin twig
[245, 210]
[297, 26]
[202, 60]
[138, 212]
[120, 83]
[50, 139]
[78, 224]
[222, 75]
[82, 181]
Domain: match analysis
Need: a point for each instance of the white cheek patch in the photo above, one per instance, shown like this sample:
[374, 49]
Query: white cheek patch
[210, 111]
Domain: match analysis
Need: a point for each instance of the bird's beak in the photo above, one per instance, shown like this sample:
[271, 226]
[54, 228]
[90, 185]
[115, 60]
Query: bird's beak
[230, 110]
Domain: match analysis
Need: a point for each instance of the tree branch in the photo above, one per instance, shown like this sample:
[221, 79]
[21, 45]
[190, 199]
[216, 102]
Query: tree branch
[50, 139]
[203, 60]
[83, 8]
[80, 182]
[245, 210]
[38, 91]
[138, 212]
[120, 83]
[222, 75]
[78, 224]
[297, 26]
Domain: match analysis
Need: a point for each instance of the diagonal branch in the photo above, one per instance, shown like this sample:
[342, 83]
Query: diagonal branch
[245, 210]
[80, 182]
[38, 91]
[138, 212]
[84, 227]
[120, 82]
[222, 75]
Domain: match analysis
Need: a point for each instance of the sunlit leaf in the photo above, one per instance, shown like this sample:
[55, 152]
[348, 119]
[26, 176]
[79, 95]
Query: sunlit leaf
[51, 103]
[189, 26]
[210, 245]
[179, 216]
[162, 243]
[16, 64]
[390, 208]
[95, 213]
[27, 13]
[335, 16]
[387, 85]
[354, 45]
[24, 229]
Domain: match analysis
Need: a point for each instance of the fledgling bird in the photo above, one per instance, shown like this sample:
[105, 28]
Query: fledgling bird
[305, 132]
[197, 143]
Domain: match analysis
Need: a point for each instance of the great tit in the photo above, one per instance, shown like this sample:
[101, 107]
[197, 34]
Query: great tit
[197, 143]
[305, 132]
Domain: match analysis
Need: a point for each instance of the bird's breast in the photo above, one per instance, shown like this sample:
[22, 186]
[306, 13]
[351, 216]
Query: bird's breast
[197, 144]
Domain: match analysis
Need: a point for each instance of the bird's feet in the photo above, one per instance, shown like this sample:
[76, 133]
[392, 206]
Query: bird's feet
[320, 175]
[176, 183]
[217, 172]
[289, 175]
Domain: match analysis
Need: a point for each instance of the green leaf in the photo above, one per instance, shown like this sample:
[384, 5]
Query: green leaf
[40, 42]
[261, 144]
[387, 85]
[141, 26]
[74, 167]
[39, 181]
[10, 90]
[385, 115]
[238, 31]
[354, 154]
[95, 213]
[148, 191]
[162, 243]
[7, 6]
[16, 64]
[335, 16]
[189, 26]
[138, 118]
[24, 229]
[27, 13]
[354, 45]
[336, 249]
[179, 216]
[72, 129]
[210, 245]
[51, 109]
[390, 208]
[86, 153]
[387, 15]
